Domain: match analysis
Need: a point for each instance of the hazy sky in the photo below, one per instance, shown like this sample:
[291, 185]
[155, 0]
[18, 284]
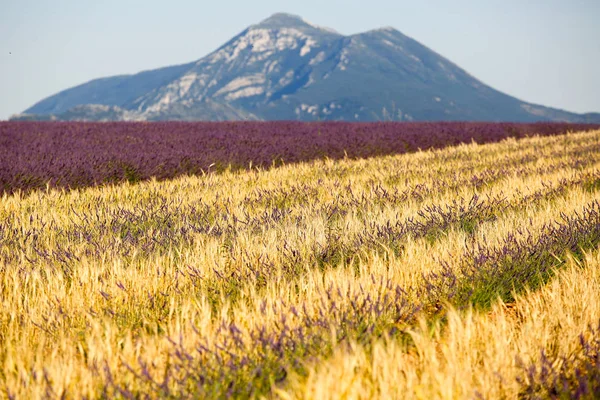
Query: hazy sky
[541, 51]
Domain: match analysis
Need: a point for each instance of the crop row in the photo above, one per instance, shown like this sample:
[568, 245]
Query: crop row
[241, 364]
[34, 155]
[545, 345]
[160, 225]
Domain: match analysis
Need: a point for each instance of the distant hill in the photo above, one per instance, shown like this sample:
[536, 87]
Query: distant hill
[285, 68]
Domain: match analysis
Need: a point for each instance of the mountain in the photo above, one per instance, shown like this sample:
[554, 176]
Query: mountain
[287, 68]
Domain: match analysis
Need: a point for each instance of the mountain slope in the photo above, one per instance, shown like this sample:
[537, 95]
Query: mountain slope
[114, 91]
[287, 68]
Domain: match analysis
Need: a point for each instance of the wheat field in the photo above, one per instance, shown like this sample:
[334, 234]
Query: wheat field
[466, 272]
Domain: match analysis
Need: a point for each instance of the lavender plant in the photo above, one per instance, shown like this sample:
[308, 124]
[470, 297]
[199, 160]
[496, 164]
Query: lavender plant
[565, 376]
[486, 274]
[36, 154]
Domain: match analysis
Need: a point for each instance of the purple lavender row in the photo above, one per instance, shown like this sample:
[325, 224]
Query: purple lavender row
[485, 273]
[34, 154]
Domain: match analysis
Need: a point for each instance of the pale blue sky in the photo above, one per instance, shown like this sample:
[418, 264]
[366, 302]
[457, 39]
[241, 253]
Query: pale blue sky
[541, 51]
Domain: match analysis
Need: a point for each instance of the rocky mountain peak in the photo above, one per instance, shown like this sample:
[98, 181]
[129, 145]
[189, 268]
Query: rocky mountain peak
[284, 67]
[285, 20]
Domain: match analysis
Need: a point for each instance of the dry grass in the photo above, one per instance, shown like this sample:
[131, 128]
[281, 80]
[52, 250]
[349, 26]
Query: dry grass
[473, 354]
[101, 285]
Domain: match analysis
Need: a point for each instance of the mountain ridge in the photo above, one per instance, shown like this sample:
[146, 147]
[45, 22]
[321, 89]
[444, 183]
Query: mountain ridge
[287, 68]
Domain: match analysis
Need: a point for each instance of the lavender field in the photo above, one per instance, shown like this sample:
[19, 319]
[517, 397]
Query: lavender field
[34, 155]
[374, 271]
